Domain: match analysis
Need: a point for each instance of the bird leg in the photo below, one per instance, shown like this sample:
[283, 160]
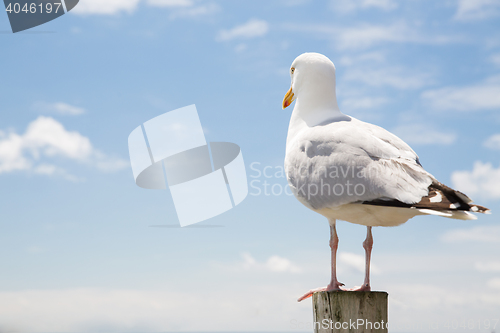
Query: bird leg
[367, 245]
[334, 244]
[334, 284]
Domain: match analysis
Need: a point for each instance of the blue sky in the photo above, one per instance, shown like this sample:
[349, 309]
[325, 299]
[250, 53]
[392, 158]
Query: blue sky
[76, 249]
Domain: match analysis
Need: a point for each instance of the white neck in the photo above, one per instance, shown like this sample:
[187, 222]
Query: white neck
[315, 112]
[314, 108]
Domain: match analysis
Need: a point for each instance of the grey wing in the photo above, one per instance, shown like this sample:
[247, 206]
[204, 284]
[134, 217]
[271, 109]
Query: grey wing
[354, 162]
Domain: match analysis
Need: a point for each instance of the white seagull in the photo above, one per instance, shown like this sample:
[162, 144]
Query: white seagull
[346, 169]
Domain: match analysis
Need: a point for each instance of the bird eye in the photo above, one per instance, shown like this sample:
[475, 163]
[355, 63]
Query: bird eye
[292, 70]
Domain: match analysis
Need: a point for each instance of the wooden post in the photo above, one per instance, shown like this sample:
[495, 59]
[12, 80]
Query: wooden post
[350, 311]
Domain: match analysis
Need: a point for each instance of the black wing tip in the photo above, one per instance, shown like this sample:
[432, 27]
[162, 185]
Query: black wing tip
[440, 198]
[479, 209]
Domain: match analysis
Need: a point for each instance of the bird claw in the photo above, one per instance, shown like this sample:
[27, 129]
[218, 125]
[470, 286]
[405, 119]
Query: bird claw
[310, 293]
[365, 287]
[335, 287]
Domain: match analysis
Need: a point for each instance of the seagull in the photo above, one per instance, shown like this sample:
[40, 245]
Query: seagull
[350, 170]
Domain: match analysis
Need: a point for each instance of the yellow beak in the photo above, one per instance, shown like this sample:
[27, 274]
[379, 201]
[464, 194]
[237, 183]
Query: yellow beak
[289, 98]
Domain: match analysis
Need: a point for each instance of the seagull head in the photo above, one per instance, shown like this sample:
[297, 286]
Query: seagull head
[313, 83]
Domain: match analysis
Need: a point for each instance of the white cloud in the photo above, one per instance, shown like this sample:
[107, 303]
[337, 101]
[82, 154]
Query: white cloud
[292, 3]
[280, 264]
[52, 170]
[270, 303]
[46, 169]
[482, 96]
[182, 8]
[423, 134]
[495, 59]
[368, 58]
[266, 307]
[241, 47]
[416, 302]
[493, 142]
[108, 163]
[494, 283]
[355, 262]
[273, 264]
[426, 307]
[107, 7]
[248, 261]
[11, 154]
[59, 108]
[395, 77]
[35, 249]
[477, 9]
[253, 28]
[483, 181]
[363, 103]
[194, 11]
[347, 6]
[489, 234]
[490, 266]
[373, 69]
[170, 3]
[367, 35]
[46, 138]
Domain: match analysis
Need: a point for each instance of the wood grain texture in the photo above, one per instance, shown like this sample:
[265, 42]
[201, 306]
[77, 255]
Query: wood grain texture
[350, 311]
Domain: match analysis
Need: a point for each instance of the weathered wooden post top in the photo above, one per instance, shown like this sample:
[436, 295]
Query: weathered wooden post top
[350, 311]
